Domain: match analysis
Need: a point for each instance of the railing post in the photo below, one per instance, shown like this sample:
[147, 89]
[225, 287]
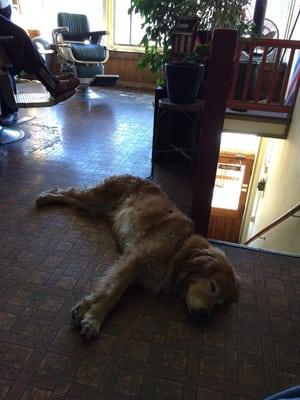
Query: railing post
[216, 92]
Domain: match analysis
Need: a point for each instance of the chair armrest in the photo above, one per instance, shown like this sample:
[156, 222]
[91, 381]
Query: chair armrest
[99, 33]
[60, 29]
[96, 36]
[57, 34]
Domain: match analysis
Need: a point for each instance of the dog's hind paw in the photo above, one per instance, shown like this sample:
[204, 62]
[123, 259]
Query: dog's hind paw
[90, 327]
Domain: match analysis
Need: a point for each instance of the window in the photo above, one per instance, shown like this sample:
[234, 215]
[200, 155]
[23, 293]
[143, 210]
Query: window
[125, 32]
[278, 12]
[127, 28]
[282, 13]
[42, 14]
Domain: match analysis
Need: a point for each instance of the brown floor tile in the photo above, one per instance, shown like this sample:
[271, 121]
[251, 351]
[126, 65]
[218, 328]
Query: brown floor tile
[149, 348]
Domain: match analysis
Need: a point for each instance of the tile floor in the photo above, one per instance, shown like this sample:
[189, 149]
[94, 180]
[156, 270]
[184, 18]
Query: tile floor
[149, 347]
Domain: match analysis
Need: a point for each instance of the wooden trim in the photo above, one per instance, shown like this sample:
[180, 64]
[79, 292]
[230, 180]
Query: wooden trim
[248, 75]
[259, 116]
[261, 42]
[236, 104]
[217, 89]
[277, 130]
[125, 64]
[275, 97]
[237, 56]
[126, 55]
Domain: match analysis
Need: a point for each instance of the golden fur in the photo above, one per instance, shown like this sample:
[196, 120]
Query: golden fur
[159, 246]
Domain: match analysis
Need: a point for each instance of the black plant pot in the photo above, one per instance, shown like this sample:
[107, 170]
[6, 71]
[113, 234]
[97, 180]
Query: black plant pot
[183, 81]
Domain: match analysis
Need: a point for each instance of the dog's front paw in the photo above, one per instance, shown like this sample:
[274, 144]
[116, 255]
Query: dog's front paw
[90, 327]
[78, 311]
[48, 196]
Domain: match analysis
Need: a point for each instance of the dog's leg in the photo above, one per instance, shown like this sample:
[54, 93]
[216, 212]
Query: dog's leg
[74, 197]
[101, 199]
[93, 200]
[91, 311]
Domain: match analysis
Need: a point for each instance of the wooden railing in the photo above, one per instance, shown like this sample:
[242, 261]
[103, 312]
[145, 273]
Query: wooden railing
[264, 76]
[277, 221]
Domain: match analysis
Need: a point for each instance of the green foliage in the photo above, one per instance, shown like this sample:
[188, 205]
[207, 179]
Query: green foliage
[215, 14]
[201, 52]
[160, 16]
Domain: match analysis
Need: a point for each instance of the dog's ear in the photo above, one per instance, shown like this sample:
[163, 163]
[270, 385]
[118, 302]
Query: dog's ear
[202, 261]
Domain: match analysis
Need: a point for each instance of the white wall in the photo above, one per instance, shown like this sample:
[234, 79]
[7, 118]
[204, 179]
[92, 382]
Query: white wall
[281, 168]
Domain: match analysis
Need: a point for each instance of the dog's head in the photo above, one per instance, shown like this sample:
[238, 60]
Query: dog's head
[206, 278]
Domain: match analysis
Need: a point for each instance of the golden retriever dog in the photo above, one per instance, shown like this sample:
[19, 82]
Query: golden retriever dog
[159, 247]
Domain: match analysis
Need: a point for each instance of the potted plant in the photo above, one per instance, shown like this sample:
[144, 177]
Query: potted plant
[160, 17]
[183, 81]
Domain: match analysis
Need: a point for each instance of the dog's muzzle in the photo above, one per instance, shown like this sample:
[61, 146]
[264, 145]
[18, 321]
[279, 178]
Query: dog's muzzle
[200, 313]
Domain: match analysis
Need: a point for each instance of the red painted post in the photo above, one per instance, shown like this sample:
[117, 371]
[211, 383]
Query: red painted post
[216, 93]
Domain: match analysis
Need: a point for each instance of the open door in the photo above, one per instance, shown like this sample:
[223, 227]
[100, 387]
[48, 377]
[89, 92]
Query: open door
[229, 197]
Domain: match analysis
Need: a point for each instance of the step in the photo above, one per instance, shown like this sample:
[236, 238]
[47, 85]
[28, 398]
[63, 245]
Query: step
[259, 123]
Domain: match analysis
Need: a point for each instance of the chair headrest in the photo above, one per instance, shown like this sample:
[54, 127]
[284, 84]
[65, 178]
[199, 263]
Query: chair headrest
[77, 23]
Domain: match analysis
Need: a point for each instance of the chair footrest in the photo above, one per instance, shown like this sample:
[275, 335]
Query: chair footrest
[27, 100]
[105, 80]
[43, 99]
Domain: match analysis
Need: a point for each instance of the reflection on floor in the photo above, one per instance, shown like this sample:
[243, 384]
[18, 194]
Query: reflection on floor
[149, 348]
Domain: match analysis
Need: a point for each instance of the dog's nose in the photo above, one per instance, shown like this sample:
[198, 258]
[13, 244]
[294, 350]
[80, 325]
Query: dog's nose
[200, 313]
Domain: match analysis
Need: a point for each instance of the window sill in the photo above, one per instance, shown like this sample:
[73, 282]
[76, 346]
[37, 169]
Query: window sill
[124, 54]
[127, 49]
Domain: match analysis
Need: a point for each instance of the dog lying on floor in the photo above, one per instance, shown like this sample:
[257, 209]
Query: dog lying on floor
[159, 249]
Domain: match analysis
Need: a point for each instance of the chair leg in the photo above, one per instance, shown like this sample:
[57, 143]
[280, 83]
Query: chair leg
[84, 90]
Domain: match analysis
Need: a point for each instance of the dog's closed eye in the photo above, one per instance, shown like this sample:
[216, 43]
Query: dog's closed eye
[213, 287]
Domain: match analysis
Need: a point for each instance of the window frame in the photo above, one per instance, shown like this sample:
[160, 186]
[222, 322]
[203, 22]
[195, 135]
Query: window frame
[110, 21]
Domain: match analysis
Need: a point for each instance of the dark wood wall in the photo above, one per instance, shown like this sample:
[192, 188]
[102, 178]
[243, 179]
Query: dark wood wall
[125, 64]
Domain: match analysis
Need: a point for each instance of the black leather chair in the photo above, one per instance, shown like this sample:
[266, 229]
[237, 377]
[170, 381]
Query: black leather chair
[80, 50]
[19, 100]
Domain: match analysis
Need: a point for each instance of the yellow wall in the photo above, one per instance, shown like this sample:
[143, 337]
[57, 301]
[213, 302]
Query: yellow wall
[282, 159]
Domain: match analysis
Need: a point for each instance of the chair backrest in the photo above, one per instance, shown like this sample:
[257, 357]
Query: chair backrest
[77, 23]
[184, 37]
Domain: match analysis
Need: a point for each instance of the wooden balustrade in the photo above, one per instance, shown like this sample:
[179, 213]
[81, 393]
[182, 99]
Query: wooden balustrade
[263, 70]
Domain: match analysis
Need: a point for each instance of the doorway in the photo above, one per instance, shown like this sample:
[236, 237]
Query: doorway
[230, 194]
[238, 156]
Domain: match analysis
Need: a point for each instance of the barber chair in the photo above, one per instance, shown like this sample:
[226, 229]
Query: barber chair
[43, 47]
[22, 100]
[79, 50]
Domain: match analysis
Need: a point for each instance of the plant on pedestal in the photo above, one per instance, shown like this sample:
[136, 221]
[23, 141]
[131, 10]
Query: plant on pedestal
[160, 17]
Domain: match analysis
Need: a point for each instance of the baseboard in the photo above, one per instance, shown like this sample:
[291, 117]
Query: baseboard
[137, 85]
[105, 80]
